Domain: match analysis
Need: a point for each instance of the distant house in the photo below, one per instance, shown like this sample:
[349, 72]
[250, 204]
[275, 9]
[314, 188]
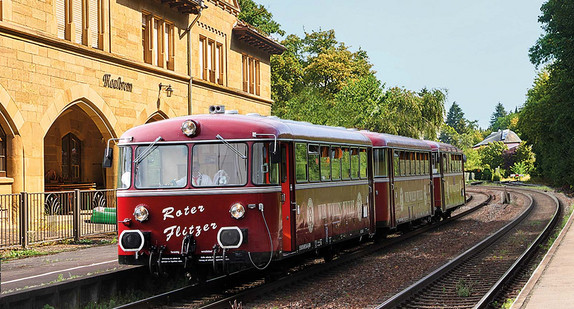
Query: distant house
[509, 138]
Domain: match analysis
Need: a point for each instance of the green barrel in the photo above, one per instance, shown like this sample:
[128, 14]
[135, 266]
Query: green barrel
[103, 215]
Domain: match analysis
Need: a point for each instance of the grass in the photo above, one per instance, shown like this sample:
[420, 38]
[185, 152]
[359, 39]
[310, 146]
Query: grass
[463, 288]
[22, 253]
[55, 247]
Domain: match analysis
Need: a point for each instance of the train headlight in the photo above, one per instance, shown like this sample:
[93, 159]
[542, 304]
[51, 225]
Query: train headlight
[189, 128]
[141, 213]
[237, 211]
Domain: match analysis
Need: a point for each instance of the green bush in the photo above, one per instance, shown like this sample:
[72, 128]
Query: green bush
[486, 174]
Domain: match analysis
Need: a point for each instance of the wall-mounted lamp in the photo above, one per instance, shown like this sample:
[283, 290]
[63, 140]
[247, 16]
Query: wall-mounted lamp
[168, 89]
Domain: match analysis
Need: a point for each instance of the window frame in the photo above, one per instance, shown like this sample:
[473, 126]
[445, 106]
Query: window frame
[251, 72]
[297, 180]
[3, 150]
[325, 155]
[309, 157]
[247, 153]
[158, 47]
[278, 167]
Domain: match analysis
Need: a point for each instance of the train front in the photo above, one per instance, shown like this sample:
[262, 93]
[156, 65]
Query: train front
[200, 193]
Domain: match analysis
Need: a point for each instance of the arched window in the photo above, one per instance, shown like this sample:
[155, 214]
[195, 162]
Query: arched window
[3, 164]
[71, 158]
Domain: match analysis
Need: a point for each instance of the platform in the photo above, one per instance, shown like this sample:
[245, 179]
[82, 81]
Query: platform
[551, 285]
[22, 274]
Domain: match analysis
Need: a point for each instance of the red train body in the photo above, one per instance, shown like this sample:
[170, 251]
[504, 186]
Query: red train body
[222, 191]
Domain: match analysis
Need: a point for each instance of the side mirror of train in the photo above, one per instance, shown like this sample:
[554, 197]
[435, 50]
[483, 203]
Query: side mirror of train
[276, 156]
[464, 158]
[108, 157]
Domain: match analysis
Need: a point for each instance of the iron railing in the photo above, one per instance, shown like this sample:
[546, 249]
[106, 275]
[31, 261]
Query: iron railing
[31, 218]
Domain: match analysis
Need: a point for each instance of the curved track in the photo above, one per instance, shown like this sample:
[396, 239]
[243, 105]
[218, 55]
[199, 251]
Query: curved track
[476, 277]
[219, 293]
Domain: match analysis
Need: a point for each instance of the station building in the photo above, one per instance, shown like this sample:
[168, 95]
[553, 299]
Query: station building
[75, 73]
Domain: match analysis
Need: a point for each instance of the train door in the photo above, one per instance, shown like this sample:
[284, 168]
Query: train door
[288, 207]
[393, 169]
[443, 170]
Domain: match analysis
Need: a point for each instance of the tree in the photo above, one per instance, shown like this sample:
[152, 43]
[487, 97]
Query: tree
[258, 16]
[510, 121]
[331, 69]
[357, 105]
[455, 118]
[492, 154]
[547, 118]
[499, 112]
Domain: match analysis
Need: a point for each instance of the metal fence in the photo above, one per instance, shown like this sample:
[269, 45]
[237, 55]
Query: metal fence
[31, 218]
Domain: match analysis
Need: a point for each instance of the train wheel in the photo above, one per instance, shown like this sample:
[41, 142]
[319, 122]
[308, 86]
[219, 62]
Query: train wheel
[328, 254]
[380, 235]
[438, 215]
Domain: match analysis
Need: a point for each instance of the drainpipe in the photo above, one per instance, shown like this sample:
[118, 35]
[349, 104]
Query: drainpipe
[190, 56]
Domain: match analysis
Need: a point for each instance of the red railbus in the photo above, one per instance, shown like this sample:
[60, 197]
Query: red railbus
[222, 192]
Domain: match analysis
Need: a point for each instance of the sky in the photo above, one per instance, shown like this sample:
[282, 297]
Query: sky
[476, 50]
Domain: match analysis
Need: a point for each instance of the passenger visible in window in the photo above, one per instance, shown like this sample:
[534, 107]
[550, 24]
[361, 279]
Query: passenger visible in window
[199, 179]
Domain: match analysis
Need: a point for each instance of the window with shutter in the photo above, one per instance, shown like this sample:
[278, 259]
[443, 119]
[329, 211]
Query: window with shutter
[245, 66]
[220, 63]
[61, 18]
[202, 60]
[76, 19]
[158, 41]
[93, 22]
[257, 78]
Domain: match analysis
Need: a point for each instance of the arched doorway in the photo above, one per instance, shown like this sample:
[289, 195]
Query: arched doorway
[157, 116]
[73, 149]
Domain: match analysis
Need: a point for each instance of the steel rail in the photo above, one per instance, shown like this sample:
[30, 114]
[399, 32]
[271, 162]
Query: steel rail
[524, 258]
[425, 282]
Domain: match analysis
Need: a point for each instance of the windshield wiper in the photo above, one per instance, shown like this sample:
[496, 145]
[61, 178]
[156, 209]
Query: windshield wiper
[242, 156]
[147, 151]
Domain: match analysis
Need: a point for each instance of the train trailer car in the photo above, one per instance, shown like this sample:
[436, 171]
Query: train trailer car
[222, 192]
[402, 181]
[448, 177]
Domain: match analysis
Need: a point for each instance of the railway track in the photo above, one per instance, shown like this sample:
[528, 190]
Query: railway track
[478, 276]
[250, 285]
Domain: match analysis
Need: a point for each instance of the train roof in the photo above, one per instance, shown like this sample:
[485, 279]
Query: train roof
[234, 126]
[395, 141]
[442, 147]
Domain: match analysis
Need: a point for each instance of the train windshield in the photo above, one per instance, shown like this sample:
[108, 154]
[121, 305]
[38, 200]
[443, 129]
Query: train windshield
[161, 166]
[219, 165]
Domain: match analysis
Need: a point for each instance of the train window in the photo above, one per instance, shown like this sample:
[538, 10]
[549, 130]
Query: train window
[363, 162]
[162, 166]
[413, 170]
[125, 167]
[219, 165]
[325, 163]
[346, 164]
[354, 163]
[403, 163]
[336, 155]
[264, 171]
[301, 162]
[380, 163]
[313, 155]
[396, 165]
[426, 163]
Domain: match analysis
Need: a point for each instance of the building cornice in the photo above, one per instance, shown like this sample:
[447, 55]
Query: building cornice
[249, 35]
